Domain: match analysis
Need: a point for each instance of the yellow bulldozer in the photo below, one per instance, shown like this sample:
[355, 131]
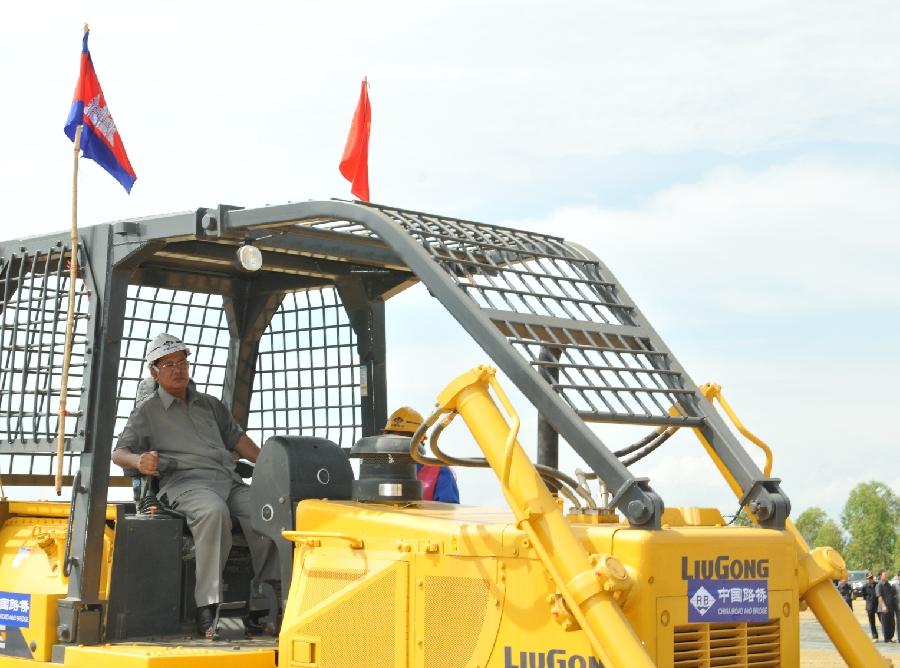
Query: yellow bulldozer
[284, 310]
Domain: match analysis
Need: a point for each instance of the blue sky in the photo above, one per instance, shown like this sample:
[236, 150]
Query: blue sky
[736, 165]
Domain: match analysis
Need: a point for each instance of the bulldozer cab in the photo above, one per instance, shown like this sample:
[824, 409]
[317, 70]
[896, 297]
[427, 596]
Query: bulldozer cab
[284, 310]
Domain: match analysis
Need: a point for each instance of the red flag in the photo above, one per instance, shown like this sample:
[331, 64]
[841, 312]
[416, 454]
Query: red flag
[355, 161]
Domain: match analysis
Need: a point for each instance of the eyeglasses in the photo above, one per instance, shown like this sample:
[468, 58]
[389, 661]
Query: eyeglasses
[181, 364]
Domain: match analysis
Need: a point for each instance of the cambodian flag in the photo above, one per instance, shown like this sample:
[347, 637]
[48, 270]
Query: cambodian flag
[100, 140]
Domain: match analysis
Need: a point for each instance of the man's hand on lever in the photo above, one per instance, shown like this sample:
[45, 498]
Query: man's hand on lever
[148, 463]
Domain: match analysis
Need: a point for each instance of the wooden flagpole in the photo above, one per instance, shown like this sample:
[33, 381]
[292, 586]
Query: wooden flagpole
[70, 318]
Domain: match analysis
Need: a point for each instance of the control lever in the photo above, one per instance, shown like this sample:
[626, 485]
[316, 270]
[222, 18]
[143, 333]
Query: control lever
[148, 504]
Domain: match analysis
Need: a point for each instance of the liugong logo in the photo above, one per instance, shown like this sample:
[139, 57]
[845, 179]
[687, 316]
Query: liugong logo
[552, 658]
[724, 567]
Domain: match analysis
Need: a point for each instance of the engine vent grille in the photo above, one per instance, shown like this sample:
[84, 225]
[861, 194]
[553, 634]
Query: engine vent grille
[322, 583]
[454, 615]
[738, 645]
[370, 607]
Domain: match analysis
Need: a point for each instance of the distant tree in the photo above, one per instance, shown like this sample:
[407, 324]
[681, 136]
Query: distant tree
[870, 518]
[830, 534]
[742, 519]
[809, 522]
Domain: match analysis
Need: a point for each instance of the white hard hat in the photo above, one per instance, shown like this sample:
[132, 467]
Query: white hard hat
[162, 345]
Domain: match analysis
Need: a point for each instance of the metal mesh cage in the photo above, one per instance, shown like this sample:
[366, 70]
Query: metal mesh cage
[561, 310]
[308, 372]
[34, 289]
[196, 318]
[307, 369]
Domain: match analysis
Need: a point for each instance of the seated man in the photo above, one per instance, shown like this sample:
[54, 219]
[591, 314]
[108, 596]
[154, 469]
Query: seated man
[186, 438]
[438, 482]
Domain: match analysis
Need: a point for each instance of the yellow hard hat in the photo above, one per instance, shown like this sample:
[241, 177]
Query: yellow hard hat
[404, 420]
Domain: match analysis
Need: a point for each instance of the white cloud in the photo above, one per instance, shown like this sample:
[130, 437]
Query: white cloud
[798, 237]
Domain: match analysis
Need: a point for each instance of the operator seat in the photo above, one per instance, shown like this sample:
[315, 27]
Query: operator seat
[288, 470]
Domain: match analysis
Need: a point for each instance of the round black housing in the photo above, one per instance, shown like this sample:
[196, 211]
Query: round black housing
[387, 474]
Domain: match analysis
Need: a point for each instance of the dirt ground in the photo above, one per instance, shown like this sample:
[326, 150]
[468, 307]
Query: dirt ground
[817, 651]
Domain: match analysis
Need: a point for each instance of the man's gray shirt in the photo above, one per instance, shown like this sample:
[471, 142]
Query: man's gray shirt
[194, 441]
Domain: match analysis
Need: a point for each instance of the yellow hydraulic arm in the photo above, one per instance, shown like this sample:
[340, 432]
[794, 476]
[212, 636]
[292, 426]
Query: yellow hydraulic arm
[817, 567]
[588, 584]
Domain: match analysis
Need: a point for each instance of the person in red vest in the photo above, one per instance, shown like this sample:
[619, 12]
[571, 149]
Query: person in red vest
[438, 482]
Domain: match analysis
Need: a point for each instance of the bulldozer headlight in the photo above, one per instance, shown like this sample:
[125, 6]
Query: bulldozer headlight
[249, 258]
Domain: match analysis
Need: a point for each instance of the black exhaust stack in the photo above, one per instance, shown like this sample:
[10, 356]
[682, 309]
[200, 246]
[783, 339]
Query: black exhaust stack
[387, 474]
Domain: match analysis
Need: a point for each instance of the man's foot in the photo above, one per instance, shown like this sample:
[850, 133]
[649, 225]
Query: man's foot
[206, 614]
[255, 625]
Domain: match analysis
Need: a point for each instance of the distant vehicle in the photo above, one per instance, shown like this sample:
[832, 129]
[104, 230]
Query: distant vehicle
[857, 581]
